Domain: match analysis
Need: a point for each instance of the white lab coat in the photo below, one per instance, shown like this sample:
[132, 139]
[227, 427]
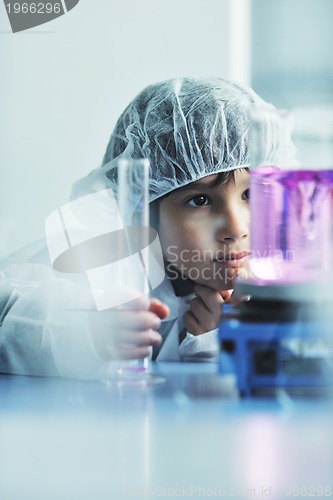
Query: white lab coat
[46, 318]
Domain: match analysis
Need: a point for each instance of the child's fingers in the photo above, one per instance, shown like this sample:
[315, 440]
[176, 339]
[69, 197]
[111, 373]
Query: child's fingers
[143, 320]
[235, 300]
[198, 319]
[127, 344]
[157, 307]
[199, 310]
[226, 294]
[136, 345]
[191, 323]
[205, 310]
[139, 339]
[212, 299]
[125, 333]
[204, 317]
[118, 321]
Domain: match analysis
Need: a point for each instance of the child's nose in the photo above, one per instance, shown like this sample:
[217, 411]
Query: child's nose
[233, 225]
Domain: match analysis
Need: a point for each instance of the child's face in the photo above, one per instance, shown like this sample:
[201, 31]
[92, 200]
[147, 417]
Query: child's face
[204, 230]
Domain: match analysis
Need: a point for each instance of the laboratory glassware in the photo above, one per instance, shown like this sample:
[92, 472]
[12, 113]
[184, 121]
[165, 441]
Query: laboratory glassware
[139, 264]
[291, 183]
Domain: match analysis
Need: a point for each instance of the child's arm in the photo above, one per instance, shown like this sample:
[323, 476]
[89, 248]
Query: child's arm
[50, 327]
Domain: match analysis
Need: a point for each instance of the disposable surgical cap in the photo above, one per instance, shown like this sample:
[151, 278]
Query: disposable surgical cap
[187, 128]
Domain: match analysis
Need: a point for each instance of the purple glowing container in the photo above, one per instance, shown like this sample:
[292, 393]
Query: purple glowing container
[291, 186]
[291, 229]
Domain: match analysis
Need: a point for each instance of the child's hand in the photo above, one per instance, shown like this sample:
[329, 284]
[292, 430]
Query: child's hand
[128, 333]
[205, 310]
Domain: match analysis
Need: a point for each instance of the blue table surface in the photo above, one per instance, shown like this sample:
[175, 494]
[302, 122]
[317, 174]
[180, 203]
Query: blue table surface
[188, 436]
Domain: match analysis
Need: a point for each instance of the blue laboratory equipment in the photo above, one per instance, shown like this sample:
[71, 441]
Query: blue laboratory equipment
[273, 343]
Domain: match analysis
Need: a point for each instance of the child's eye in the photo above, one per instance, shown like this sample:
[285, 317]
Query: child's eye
[200, 200]
[246, 195]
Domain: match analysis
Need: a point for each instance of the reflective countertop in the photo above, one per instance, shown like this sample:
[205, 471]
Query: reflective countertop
[187, 436]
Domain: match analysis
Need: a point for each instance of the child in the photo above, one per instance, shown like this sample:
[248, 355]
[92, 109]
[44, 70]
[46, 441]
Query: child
[195, 134]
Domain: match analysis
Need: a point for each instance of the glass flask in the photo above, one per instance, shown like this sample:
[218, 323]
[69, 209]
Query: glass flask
[291, 181]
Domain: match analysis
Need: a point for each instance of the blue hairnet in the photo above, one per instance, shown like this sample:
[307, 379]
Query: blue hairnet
[187, 128]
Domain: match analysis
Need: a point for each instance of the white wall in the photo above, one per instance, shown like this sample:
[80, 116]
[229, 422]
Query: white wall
[64, 83]
[292, 51]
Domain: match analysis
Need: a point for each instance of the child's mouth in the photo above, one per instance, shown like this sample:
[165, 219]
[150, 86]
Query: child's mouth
[232, 259]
